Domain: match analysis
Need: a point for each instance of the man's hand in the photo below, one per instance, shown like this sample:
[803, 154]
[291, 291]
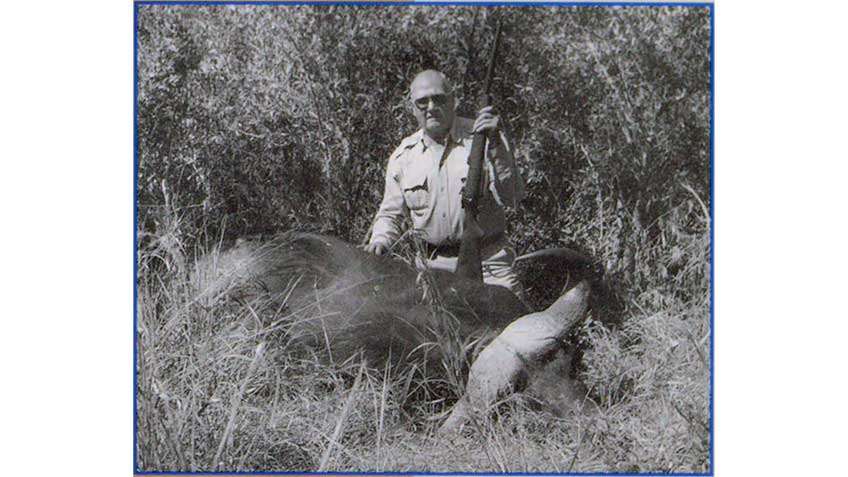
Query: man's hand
[377, 248]
[486, 121]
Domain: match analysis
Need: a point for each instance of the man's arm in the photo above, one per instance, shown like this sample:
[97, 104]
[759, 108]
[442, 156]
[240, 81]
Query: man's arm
[386, 229]
[506, 182]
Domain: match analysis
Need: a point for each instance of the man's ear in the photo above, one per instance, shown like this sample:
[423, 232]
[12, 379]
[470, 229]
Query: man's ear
[408, 106]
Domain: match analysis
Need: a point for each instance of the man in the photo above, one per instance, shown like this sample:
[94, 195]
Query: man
[425, 177]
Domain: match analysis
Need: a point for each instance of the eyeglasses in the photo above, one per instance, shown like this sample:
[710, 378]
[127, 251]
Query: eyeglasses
[438, 100]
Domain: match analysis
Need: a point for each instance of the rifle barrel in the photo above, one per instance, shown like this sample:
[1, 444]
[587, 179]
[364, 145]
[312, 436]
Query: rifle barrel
[490, 70]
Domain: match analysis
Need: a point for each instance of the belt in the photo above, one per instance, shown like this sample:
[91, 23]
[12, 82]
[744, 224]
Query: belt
[452, 249]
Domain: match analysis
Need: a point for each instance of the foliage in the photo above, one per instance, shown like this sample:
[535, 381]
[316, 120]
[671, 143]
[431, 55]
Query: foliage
[276, 118]
[255, 119]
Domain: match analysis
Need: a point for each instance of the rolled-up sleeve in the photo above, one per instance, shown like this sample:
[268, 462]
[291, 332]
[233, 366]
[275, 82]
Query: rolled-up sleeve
[506, 183]
[392, 210]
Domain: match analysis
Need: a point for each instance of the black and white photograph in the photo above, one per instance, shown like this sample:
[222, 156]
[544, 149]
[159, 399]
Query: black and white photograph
[423, 238]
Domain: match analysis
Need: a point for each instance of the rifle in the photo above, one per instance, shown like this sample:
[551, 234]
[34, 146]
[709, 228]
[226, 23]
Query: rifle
[469, 261]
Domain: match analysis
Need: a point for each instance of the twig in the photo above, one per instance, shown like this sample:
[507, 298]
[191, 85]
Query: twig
[689, 419]
[697, 349]
[257, 355]
[700, 202]
[576, 449]
[383, 398]
[342, 419]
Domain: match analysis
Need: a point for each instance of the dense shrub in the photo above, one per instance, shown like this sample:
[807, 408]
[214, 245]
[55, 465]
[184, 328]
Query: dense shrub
[276, 118]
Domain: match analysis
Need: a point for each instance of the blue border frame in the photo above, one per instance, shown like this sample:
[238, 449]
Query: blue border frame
[712, 239]
[436, 3]
[647, 474]
[135, 238]
[709, 5]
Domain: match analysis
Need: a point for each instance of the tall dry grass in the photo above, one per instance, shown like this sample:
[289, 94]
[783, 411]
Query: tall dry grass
[222, 385]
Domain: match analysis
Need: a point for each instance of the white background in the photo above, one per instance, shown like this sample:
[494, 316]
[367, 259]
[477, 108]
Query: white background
[66, 239]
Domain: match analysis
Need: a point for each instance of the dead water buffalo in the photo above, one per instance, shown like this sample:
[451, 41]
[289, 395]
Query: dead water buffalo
[347, 303]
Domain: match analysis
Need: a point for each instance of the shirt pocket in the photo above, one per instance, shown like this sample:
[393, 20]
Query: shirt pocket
[416, 193]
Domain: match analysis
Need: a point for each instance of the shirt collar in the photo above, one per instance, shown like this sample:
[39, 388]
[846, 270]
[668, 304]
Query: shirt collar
[458, 132]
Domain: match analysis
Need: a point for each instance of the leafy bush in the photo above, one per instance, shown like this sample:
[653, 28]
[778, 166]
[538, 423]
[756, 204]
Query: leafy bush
[275, 118]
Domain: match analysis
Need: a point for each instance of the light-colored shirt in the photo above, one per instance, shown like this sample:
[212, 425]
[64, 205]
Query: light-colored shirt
[420, 186]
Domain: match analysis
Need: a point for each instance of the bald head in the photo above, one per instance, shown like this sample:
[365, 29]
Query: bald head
[429, 82]
[432, 103]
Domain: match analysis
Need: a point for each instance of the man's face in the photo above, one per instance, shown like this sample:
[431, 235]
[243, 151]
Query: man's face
[432, 104]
